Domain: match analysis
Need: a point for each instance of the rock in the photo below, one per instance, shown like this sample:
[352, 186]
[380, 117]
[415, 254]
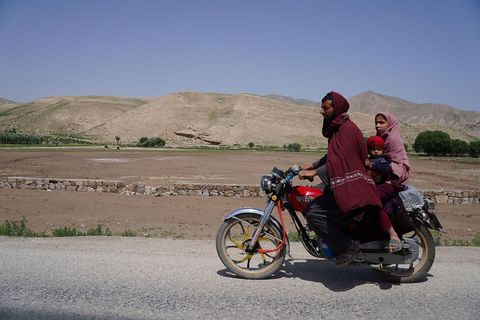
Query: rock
[186, 133]
[441, 199]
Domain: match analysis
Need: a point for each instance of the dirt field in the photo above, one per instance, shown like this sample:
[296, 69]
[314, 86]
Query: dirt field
[183, 216]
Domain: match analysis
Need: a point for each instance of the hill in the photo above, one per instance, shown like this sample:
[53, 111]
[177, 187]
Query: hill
[199, 118]
[287, 99]
[6, 104]
[6, 101]
[65, 115]
[422, 116]
[196, 118]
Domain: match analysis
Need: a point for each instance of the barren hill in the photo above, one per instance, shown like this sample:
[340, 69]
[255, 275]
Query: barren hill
[6, 101]
[65, 114]
[195, 118]
[424, 116]
[6, 104]
[292, 100]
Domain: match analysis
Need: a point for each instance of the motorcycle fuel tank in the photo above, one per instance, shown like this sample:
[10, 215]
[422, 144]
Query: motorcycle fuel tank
[301, 196]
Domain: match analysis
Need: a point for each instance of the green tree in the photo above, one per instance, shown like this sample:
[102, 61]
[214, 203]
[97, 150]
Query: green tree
[294, 147]
[251, 145]
[459, 147]
[433, 143]
[153, 142]
[475, 148]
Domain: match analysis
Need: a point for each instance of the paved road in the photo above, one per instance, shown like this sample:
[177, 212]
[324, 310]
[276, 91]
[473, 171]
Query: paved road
[146, 278]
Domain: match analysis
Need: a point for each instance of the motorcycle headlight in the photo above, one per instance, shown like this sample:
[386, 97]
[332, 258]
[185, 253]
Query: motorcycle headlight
[266, 184]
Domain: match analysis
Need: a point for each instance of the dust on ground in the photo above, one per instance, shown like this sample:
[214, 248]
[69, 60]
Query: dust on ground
[160, 167]
[186, 217]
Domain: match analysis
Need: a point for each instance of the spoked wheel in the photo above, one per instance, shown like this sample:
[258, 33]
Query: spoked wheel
[233, 239]
[417, 270]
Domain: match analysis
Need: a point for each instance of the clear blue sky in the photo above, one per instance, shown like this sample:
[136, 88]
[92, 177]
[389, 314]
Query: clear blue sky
[421, 51]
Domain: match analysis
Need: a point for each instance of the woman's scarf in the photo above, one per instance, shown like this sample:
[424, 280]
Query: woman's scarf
[395, 150]
[352, 186]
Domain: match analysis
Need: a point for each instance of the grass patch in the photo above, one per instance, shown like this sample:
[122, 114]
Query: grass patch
[19, 229]
[213, 115]
[129, 233]
[441, 240]
[66, 232]
[72, 232]
[170, 235]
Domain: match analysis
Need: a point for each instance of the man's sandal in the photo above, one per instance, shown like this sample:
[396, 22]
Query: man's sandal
[394, 245]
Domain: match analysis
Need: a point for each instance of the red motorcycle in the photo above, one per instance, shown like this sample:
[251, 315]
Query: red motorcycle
[252, 243]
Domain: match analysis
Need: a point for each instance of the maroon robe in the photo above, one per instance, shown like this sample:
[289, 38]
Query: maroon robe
[351, 184]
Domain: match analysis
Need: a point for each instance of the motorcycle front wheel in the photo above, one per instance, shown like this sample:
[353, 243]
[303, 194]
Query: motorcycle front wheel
[232, 242]
[418, 270]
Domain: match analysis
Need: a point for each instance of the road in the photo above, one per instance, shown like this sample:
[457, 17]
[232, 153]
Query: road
[148, 278]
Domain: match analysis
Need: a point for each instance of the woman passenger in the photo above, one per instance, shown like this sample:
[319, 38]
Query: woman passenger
[387, 127]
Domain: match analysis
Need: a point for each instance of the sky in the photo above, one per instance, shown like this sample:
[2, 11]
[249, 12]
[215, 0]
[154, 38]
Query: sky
[421, 51]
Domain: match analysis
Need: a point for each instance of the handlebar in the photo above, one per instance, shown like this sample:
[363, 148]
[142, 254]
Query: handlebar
[295, 170]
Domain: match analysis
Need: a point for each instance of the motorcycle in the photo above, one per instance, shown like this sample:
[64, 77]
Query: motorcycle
[253, 244]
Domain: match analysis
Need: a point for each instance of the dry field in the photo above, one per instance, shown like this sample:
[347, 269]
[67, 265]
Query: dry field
[183, 216]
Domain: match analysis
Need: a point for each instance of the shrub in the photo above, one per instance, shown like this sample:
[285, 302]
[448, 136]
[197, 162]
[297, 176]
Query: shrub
[459, 147]
[19, 229]
[72, 232]
[128, 233]
[295, 147]
[475, 148]
[98, 231]
[433, 143]
[66, 232]
[15, 228]
[12, 137]
[153, 142]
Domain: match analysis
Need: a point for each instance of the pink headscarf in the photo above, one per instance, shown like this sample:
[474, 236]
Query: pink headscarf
[395, 150]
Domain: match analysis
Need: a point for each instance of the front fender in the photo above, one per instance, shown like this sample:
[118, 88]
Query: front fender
[256, 211]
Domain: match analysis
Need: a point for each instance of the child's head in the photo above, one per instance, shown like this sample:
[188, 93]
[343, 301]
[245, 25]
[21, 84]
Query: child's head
[375, 146]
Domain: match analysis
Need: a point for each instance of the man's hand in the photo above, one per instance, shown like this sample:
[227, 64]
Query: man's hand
[307, 166]
[306, 174]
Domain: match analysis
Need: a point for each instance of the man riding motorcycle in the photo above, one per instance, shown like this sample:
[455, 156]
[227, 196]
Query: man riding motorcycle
[352, 191]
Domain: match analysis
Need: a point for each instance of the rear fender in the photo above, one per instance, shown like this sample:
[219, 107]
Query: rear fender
[433, 221]
[428, 219]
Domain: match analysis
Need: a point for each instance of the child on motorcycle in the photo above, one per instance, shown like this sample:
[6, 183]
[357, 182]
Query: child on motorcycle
[378, 165]
[379, 168]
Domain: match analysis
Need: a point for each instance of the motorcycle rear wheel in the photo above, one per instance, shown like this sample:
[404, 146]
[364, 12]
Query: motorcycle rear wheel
[232, 240]
[418, 270]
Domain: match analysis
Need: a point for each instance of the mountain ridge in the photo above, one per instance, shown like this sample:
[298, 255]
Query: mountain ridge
[197, 118]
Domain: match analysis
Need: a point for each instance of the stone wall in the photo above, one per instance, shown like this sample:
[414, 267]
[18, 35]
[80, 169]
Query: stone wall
[449, 196]
[53, 184]
[207, 190]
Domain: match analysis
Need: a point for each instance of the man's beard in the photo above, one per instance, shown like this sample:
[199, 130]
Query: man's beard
[327, 121]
